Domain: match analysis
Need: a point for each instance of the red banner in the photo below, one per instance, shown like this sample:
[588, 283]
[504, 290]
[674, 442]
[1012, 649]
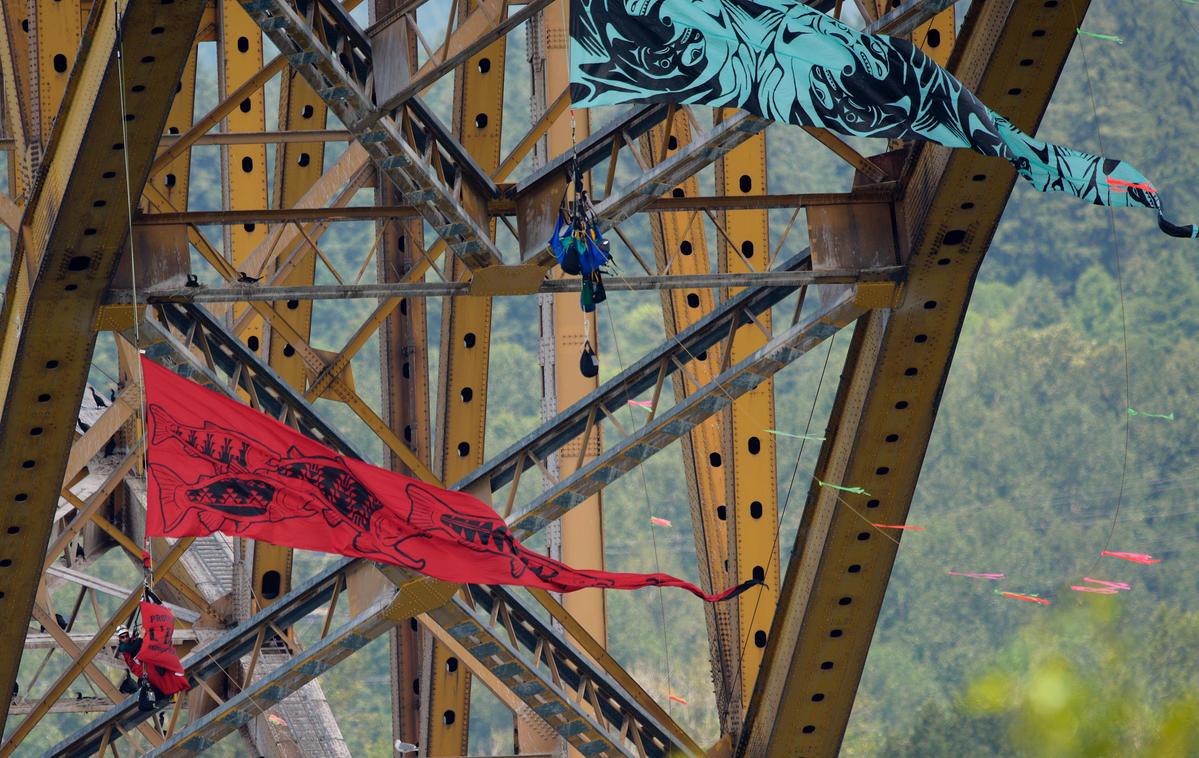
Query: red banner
[162, 665]
[217, 465]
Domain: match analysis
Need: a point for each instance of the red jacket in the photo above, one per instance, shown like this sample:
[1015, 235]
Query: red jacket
[128, 649]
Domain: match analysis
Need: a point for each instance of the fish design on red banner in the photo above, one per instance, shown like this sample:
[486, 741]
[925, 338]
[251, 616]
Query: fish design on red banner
[234, 501]
[224, 448]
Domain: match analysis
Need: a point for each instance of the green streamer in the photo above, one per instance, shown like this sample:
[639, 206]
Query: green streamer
[853, 490]
[1167, 417]
[812, 437]
[1108, 37]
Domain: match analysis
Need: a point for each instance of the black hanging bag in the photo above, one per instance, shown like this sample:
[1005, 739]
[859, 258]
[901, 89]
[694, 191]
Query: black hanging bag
[598, 294]
[146, 701]
[588, 361]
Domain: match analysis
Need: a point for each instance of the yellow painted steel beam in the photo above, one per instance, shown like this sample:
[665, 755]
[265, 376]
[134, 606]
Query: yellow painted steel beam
[10, 213]
[298, 166]
[175, 178]
[485, 675]
[231, 102]
[244, 185]
[14, 52]
[538, 129]
[751, 487]
[54, 29]
[936, 37]
[680, 246]
[243, 167]
[462, 377]
[890, 389]
[75, 225]
[582, 530]
[404, 367]
[108, 424]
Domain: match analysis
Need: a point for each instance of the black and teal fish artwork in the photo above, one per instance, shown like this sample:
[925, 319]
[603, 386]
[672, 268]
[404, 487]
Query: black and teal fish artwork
[787, 62]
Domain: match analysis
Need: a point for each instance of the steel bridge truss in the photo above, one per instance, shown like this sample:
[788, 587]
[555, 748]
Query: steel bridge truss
[539, 660]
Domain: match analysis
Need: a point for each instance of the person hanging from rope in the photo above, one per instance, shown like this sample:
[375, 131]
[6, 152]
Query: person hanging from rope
[128, 645]
[162, 673]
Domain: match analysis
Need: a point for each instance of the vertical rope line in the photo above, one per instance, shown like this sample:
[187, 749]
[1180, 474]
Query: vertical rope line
[137, 368]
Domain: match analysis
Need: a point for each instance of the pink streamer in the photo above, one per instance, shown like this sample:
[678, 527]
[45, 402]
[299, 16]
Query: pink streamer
[1134, 557]
[1029, 598]
[659, 521]
[978, 576]
[1107, 588]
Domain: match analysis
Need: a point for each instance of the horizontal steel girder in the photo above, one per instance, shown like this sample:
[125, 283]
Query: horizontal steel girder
[77, 223]
[879, 193]
[21, 706]
[243, 294]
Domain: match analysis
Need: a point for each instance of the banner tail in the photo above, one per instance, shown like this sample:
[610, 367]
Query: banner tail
[731, 592]
[1186, 231]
